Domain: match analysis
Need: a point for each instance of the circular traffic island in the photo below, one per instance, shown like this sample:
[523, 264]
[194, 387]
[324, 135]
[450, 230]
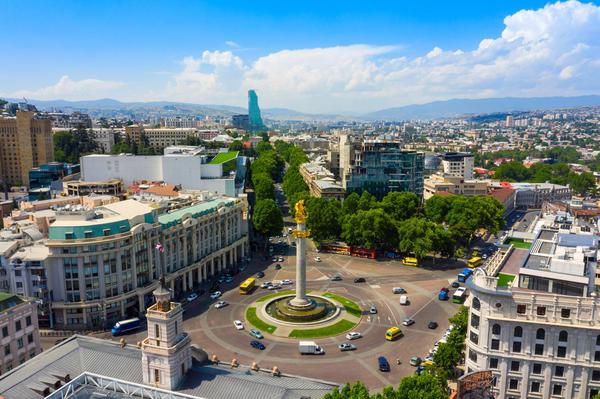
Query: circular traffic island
[320, 315]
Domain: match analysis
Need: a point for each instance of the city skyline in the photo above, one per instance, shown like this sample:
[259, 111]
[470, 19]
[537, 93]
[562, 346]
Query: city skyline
[312, 59]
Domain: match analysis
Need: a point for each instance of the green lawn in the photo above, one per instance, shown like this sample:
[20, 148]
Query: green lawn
[258, 323]
[351, 307]
[223, 157]
[518, 243]
[276, 294]
[335, 329]
[504, 279]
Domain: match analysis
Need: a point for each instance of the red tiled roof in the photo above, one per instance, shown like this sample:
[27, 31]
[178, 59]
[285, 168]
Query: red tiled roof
[502, 194]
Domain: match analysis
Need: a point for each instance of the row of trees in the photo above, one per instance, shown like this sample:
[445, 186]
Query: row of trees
[69, 145]
[431, 384]
[399, 222]
[294, 187]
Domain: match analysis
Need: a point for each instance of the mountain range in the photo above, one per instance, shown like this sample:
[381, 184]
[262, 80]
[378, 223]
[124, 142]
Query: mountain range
[432, 110]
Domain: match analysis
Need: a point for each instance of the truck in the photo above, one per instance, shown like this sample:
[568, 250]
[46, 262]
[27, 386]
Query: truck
[465, 274]
[310, 348]
[124, 326]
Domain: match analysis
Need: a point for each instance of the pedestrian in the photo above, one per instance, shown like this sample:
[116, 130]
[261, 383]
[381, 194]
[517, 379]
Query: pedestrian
[398, 362]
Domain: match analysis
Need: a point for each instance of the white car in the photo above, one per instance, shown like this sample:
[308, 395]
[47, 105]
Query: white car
[274, 260]
[274, 287]
[221, 304]
[317, 258]
[408, 322]
[353, 335]
[280, 259]
[287, 282]
[266, 284]
[238, 325]
[215, 295]
[192, 297]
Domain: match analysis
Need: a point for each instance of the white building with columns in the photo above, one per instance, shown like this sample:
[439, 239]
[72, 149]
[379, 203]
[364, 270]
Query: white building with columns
[539, 334]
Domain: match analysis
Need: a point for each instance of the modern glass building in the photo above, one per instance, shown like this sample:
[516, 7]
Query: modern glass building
[254, 118]
[382, 166]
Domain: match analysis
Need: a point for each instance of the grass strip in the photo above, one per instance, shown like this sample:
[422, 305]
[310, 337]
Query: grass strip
[258, 323]
[334, 329]
[351, 307]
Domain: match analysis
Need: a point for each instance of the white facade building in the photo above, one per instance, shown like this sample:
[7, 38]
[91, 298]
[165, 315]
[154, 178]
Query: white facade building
[458, 164]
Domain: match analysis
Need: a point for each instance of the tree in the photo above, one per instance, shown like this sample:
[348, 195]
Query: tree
[263, 146]
[400, 205]
[263, 186]
[372, 228]
[350, 204]
[422, 386]
[236, 145]
[267, 218]
[349, 391]
[445, 360]
[293, 182]
[416, 236]
[436, 208]
[583, 183]
[513, 171]
[323, 218]
[367, 201]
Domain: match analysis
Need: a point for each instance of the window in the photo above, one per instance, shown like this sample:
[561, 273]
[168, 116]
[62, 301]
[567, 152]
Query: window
[516, 347]
[476, 305]
[28, 321]
[521, 309]
[474, 338]
[559, 371]
[513, 384]
[518, 331]
[496, 329]
[156, 331]
[4, 331]
[29, 338]
[537, 368]
[598, 340]
[541, 310]
[473, 355]
[495, 344]
[595, 375]
[557, 390]
[6, 350]
[19, 343]
[18, 325]
[474, 320]
[156, 375]
[539, 349]
[563, 336]
[561, 351]
[565, 313]
[535, 386]
[514, 365]
[493, 362]
[540, 334]
[597, 356]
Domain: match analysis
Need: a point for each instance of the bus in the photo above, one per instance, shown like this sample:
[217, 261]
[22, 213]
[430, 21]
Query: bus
[410, 261]
[474, 262]
[393, 333]
[464, 275]
[247, 286]
[459, 295]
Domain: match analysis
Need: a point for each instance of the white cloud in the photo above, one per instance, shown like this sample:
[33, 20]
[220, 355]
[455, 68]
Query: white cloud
[68, 89]
[553, 50]
[232, 44]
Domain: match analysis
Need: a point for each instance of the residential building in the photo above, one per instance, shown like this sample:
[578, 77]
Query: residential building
[533, 318]
[436, 184]
[159, 138]
[380, 167]
[20, 333]
[255, 122]
[510, 121]
[457, 164]
[321, 182]
[104, 138]
[179, 122]
[25, 142]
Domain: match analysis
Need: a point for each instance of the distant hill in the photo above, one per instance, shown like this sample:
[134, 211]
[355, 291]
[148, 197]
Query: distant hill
[462, 107]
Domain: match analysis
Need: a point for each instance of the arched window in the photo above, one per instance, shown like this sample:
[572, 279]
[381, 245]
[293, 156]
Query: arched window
[496, 329]
[540, 334]
[518, 331]
[476, 305]
[563, 336]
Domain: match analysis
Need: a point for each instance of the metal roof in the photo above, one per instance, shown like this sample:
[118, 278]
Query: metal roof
[170, 219]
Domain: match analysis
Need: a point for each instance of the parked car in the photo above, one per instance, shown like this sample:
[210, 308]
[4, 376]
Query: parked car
[228, 280]
[280, 259]
[359, 280]
[317, 258]
[404, 300]
[258, 345]
[274, 260]
[215, 295]
[415, 361]
[238, 325]
[287, 282]
[221, 304]
[277, 266]
[266, 284]
[256, 334]
[432, 325]
[274, 287]
[192, 297]
[353, 335]
[455, 284]
[373, 309]
[383, 364]
[260, 274]
[408, 322]
[346, 346]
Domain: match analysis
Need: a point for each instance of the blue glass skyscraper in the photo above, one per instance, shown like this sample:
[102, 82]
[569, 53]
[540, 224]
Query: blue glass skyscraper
[254, 119]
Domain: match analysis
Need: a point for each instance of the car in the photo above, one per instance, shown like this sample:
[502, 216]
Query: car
[445, 289]
[346, 346]
[484, 256]
[274, 260]
[238, 325]
[384, 365]
[280, 259]
[277, 266]
[260, 274]
[317, 258]
[215, 295]
[353, 335]
[266, 284]
[432, 325]
[287, 282]
[228, 280]
[415, 361]
[398, 290]
[419, 369]
[192, 297]
[221, 304]
[359, 280]
[221, 279]
[256, 334]
[455, 284]
[258, 345]
[373, 309]
[428, 358]
[274, 287]
[408, 322]
[336, 278]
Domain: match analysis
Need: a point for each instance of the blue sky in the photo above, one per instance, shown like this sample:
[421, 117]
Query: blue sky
[309, 56]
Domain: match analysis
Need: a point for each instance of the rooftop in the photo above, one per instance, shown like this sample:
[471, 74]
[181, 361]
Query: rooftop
[223, 157]
[203, 208]
[8, 301]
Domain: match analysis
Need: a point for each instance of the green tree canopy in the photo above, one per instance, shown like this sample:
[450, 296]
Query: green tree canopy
[583, 183]
[323, 218]
[350, 204]
[236, 145]
[372, 228]
[267, 218]
[263, 186]
[401, 205]
[367, 201]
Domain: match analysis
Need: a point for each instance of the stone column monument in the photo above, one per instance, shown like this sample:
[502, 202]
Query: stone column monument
[300, 301]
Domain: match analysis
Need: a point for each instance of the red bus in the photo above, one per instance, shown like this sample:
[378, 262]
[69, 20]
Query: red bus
[362, 252]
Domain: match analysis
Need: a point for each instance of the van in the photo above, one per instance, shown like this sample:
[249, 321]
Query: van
[398, 290]
[392, 333]
[403, 300]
